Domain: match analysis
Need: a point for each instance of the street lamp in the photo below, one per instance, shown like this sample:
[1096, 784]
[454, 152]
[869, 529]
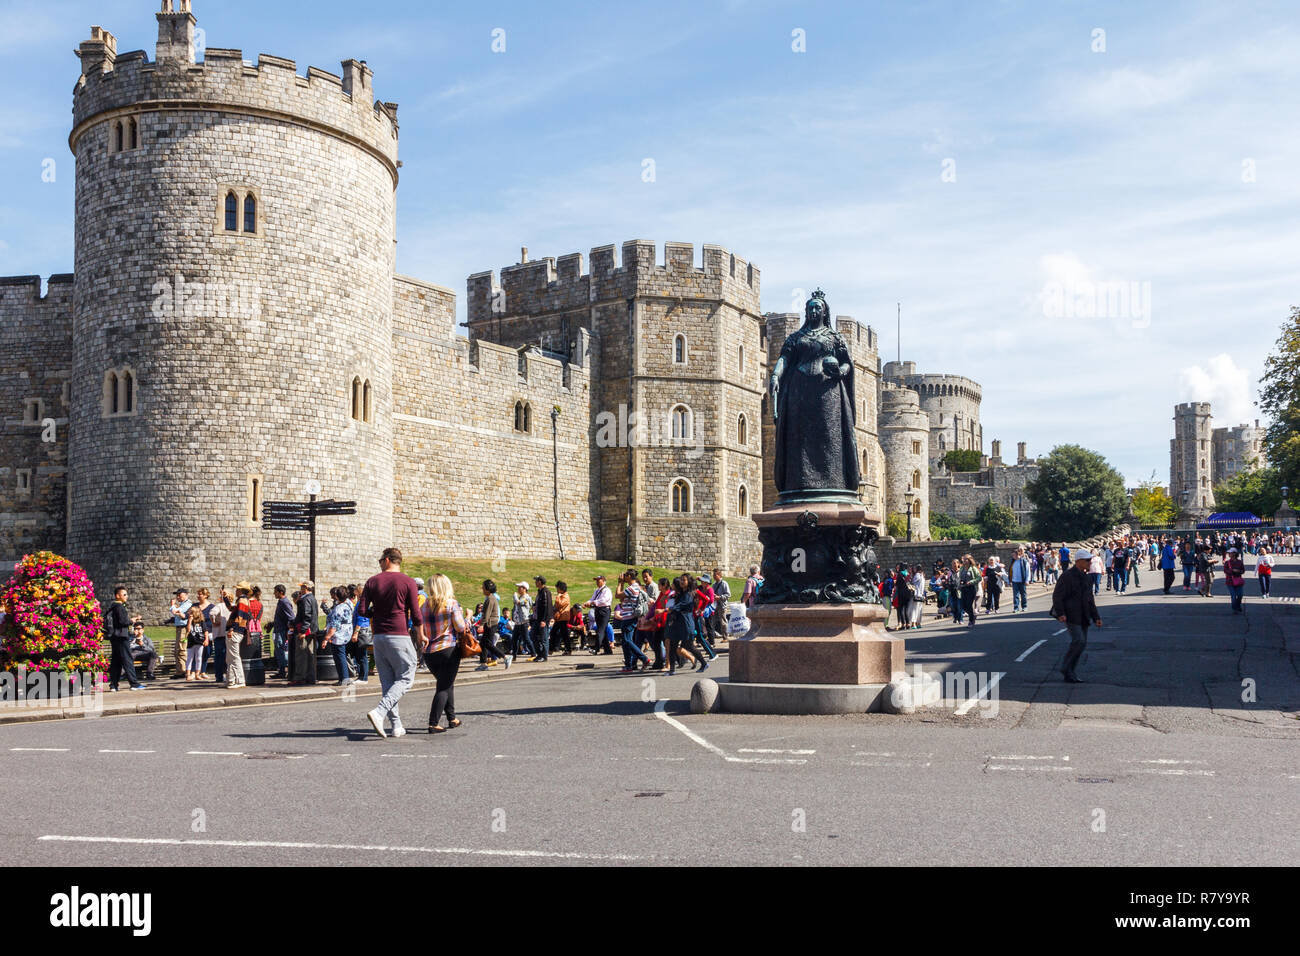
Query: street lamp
[909, 494]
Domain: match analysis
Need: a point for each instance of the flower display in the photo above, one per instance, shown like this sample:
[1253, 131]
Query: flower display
[52, 621]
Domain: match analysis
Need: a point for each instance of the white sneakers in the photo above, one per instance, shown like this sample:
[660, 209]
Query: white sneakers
[376, 719]
[398, 730]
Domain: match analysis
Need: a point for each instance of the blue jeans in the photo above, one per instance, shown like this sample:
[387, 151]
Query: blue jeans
[1121, 581]
[340, 654]
[361, 654]
[1187, 575]
[1235, 591]
[1019, 600]
[522, 641]
[543, 641]
[218, 658]
[700, 630]
[630, 649]
[281, 652]
[1096, 583]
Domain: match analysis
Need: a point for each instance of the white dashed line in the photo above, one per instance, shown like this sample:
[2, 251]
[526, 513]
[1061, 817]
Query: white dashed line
[1026, 757]
[1031, 650]
[764, 750]
[353, 847]
[1061, 631]
[51, 750]
[214, 753]
[712, 748]
[965, 708]
[128, 751]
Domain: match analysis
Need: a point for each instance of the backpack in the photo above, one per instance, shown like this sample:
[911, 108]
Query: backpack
[642, 603]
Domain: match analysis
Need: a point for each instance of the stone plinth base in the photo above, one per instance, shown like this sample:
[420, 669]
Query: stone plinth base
[834, 644]
[736, 698]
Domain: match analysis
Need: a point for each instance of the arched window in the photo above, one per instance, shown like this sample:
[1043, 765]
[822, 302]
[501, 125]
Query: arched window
[365, 402]
[742, 502]
[110, 393]
[356, 399]
[942, 443]
[683, 426]
[866, 467]
[232, 212]
[128, 392]
[916, 509]
[250, 213]
[679, 349]
[733, 265]
[916, 479]
[134, 137]
[118, 141]
[528, 416]
[742, 360]
[519, 416]
[742, 431]
[681, 496]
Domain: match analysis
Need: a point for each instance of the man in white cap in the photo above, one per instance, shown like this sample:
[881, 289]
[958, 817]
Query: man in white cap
[1074, 606]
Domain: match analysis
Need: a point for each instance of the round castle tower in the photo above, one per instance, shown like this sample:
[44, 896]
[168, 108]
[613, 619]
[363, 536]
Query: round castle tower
[904, 440]
[951, 402]
[1191, 463]
[234, 279]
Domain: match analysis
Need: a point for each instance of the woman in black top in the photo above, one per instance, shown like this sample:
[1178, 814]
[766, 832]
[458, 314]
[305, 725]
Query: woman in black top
[491, 622]
[681, 624]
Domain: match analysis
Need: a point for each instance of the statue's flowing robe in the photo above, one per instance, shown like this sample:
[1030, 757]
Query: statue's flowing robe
[816, 445]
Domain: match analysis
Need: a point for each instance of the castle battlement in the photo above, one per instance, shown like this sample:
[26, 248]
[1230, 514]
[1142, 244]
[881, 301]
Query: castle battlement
[341, 105]
[1192, 408]
[16, 291]
[558, 284]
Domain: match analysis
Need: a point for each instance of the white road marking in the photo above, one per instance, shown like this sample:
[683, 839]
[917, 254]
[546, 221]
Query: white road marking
[1061, 631]
[765, 750]
[886, 763]
[1031, 650]
[965, 708]
[1165, 760]
[414, 756]
[52, 750]
[712, 748]
[1037, 768]
[1024, 757]
[355, 847]
[1173, 772]
[128, 751]
[214, 753]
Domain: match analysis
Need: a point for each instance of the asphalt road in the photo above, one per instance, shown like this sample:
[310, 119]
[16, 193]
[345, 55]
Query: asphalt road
[1156, 760]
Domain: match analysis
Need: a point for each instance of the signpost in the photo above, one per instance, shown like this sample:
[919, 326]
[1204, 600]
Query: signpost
[301, 516]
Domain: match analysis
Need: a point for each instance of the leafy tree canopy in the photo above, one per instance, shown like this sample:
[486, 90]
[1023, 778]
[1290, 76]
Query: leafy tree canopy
[1077, 494]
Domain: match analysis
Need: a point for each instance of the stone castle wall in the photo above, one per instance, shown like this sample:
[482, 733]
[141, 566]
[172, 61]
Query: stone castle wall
[467, 483]
[35, 364]
[1235, 450]
[951, 402]
[1191, 453]
[962, 494]
[252, 377]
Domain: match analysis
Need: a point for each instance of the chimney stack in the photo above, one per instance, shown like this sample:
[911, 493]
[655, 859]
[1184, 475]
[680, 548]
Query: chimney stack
[98, 53]
[175, 33]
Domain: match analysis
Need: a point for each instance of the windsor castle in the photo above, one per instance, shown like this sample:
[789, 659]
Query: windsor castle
[235, 328]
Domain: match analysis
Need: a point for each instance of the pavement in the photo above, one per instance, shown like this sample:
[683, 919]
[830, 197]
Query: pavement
[1157, 760]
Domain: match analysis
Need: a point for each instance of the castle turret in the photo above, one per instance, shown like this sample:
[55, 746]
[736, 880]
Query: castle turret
[952, 404]
[1191, 458]
[232, 312]
[904, 439]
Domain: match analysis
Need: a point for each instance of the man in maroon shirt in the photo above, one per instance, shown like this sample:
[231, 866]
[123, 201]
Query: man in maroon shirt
[391, 600]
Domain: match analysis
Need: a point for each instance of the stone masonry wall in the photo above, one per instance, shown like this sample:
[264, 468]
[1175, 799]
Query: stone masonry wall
[35, 364]
[467, 484]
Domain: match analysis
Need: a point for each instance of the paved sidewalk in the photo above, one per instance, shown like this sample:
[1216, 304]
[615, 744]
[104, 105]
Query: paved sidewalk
[164, 694]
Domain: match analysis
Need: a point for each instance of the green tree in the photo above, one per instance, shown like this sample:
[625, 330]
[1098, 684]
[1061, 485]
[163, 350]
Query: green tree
[1279, 399]
[963, 459]
[896, 524]
[998, 522]
[956, 532]
[1077, 494]
[1259, 492]
[1153, 506]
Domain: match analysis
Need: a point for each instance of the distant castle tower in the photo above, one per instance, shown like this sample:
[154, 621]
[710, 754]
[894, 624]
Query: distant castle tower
[1191, 458]
[1236, 450]
[905, 439]
[951, 402]
[232, 309]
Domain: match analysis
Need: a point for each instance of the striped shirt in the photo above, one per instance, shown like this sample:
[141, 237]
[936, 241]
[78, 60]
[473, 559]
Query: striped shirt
[443, 626]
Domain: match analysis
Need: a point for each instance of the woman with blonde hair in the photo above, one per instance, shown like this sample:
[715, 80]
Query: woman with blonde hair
[445, 626]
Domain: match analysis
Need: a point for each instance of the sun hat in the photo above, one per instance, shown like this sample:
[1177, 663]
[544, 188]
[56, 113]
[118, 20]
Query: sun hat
[1081, 554]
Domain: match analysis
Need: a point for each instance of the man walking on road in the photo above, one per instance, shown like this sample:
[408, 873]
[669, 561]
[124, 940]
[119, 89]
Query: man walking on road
[1074, 606]
[1019, 581]
[391, 600]
[1168, 561]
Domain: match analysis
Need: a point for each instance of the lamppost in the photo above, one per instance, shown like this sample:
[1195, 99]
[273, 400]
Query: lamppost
[909, 494]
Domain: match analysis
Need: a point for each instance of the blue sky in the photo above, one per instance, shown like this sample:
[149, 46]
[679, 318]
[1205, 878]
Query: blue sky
[1168, 161]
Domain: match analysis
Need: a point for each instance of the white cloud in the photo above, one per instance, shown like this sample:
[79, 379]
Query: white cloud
[1222, 383]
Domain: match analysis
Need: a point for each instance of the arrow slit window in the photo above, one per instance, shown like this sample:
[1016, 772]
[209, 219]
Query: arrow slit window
[254, 498]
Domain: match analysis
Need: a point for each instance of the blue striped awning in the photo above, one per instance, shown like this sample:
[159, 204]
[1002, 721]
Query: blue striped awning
[1229, 519]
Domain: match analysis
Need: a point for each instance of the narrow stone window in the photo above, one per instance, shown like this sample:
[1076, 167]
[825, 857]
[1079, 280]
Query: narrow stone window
[683, 426]
[110, 393]
[118, 137]
[250, 213]
[916, 448]
[528, 417]
[742, 431]
[367, 414]
[916, 509]
[733, 265]
[254, 498]
[232, 212]
[742, 502]
[916, 479]
[24, 481]
[356, 399]
[742, 360]
[33, 411]
[865, 469]
[681, 496]
[519, 416]
[679, 349]
[127, 384]
[133, 134]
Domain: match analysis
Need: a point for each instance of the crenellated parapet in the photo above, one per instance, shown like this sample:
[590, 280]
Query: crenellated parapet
[555, 285]
[113, 85]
